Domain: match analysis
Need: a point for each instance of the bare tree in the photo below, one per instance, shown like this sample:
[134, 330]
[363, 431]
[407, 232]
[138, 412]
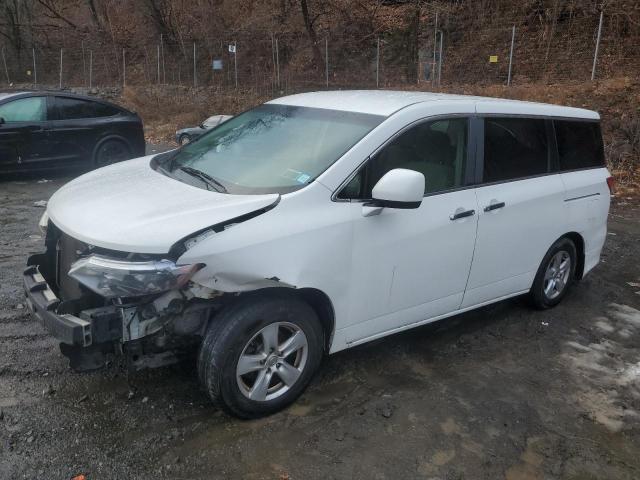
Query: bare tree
[16, 15]
[54, 11]
[308, 24]
[95, 17]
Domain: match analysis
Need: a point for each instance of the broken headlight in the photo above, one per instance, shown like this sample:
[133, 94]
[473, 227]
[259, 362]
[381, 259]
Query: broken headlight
[110, 277]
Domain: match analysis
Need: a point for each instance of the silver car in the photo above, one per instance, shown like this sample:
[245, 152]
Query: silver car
[186, 135]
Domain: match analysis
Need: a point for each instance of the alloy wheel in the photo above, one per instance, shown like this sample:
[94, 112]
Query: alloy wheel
[556, 275]
[272, 361]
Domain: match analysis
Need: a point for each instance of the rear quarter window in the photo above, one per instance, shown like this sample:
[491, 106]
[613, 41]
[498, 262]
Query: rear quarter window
[579, 144]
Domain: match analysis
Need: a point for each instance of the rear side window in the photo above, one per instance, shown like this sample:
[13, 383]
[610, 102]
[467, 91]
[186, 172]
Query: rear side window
[579, 144]
[32, 109]
[73, 108]
[514, 148]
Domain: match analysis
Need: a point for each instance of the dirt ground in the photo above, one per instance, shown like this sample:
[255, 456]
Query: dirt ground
[503, 392]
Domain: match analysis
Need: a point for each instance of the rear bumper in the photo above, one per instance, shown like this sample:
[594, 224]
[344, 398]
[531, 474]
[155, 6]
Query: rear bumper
[43, 302]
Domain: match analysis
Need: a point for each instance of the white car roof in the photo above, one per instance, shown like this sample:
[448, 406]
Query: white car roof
[387, 102]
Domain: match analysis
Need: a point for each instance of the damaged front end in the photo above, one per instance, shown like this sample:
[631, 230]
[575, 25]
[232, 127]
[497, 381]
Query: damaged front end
[99, 302]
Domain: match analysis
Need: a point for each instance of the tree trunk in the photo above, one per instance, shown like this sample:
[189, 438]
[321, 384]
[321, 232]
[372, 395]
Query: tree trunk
[317, 56]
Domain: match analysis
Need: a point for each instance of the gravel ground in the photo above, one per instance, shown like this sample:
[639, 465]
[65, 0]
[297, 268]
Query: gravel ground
[503, 392]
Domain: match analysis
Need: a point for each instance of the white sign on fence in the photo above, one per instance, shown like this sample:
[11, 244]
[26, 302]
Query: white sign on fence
[232, 48]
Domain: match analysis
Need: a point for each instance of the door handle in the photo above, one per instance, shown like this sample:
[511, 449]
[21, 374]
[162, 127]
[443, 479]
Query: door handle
[494, 206]
[465, 213]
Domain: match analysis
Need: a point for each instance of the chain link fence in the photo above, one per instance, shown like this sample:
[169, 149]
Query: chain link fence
[438, 54]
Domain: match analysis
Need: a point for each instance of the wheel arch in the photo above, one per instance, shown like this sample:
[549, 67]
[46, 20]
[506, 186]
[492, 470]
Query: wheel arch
[578, 241]
[107, 138]
[316, 299]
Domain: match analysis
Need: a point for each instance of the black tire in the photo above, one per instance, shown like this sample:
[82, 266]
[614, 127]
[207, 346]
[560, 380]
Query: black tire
[184, 139]
[233, 330]
[111, 151]
[540, 295]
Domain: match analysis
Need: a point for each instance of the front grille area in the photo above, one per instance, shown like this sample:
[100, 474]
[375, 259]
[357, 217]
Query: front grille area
[62, 251]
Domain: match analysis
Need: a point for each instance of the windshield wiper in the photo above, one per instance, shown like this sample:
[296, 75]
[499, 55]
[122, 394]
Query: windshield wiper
[207, 179]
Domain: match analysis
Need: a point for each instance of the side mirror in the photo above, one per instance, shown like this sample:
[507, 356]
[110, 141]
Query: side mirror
[398, 188]
[2, 121]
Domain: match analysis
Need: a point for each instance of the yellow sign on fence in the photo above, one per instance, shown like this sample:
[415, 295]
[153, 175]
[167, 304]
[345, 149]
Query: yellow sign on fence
[493, 58]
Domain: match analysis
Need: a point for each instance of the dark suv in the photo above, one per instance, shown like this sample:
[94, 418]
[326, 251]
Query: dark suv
[41, 130]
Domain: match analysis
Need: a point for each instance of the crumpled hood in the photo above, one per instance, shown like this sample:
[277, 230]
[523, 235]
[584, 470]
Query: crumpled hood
[130, 207]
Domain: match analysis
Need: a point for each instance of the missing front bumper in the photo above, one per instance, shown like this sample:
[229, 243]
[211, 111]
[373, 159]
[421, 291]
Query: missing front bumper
[92, 326]
[42, 302]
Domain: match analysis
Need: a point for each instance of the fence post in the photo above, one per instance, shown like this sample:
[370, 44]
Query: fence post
[195, 80]
[124, 69]
[435, 45]
[440, 59]
[595, 55]
[235, 61]
[35, 72]
[273, 60]
[326, 60]
[277, 64]
[158, 64]
[378, 63]
[90, 69]
[60, 83]
[513, 39]
[84, 66]
[164, 71]
[6, 71]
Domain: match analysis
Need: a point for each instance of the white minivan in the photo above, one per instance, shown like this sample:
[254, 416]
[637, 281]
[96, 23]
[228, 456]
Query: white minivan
[316, 222]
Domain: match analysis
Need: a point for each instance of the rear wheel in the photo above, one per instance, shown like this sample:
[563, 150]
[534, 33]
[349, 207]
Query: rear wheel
[111, 151]
[259, 355]
[555, 275]
[184, 139]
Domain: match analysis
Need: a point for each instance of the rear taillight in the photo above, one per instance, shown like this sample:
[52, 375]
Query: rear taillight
[611, 184]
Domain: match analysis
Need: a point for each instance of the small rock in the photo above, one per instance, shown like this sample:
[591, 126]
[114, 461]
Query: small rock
[44, 180]
[19, 306]
[386, 411]
[40, 203]
[30, 439]
[131, 394]
[145, 399]
[45, 374]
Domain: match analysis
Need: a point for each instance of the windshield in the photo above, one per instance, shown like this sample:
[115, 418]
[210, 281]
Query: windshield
[270, 149]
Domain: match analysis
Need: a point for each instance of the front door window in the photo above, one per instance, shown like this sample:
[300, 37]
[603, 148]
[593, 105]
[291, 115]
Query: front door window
[436, 149]
[33, 109]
